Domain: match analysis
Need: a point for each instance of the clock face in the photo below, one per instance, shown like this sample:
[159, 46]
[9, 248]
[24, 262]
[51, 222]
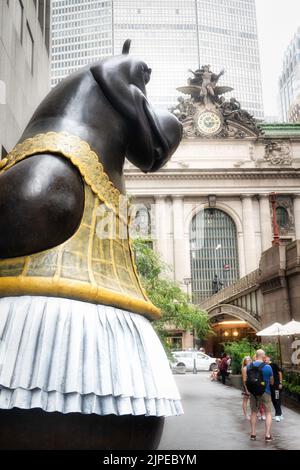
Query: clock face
[209, 123]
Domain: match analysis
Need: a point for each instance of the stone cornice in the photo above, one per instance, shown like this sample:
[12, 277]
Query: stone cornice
[225, 174]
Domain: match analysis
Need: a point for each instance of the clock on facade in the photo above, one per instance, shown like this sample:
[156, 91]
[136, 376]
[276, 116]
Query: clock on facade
[209, 123]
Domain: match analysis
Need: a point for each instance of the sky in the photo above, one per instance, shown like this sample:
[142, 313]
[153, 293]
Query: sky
[277, 22]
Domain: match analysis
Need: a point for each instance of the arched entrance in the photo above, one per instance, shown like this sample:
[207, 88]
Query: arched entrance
[230, 323]
[213, 253]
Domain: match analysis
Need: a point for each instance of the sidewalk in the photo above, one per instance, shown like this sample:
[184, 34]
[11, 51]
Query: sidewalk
[213, 419]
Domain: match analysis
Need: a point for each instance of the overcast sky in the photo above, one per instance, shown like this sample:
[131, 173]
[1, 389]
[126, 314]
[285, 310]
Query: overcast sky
[277, 23]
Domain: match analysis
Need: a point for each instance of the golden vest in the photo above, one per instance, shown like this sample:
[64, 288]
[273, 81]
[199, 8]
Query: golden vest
[90, 266]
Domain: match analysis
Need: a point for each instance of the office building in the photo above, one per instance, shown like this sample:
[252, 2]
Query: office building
[172, 36]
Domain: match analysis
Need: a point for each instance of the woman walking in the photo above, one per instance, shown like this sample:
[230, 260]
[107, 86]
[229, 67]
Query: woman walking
[245, 393]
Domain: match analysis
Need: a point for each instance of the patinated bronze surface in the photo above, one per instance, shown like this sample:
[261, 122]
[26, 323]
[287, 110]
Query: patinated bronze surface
[37, 429]
[41, 199]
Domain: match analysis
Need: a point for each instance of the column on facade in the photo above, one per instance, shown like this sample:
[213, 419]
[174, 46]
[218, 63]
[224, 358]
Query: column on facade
[163, 240]
[265, 222]
[241, 254]
[251, 261]
[297, 215]
[180, 244]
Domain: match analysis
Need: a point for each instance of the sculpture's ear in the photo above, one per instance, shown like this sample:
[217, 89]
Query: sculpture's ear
[126, 47]
[118, 78]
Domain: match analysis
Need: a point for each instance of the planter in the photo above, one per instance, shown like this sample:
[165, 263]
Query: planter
[236, 381]
[291, 400]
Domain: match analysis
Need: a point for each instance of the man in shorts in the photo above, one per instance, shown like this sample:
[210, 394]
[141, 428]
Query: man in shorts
[264, 400]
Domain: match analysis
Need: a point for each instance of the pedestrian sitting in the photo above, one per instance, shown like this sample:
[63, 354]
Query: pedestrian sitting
[216, 372]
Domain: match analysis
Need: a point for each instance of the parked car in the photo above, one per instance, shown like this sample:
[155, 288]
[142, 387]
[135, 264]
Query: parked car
[184, 361]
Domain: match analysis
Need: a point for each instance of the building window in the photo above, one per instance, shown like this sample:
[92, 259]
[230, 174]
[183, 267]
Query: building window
[141, 226]
[282, 217]
[175, 341]
[47, 24]
[29, 47]
[213, 253]
[19, 19]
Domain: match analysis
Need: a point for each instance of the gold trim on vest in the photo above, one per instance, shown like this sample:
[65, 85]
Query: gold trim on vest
[91, 266]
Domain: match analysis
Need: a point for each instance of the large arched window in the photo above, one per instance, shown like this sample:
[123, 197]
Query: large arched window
[282, 217]
[213, 252]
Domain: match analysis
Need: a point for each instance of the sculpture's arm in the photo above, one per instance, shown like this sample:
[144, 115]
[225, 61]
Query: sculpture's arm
[41, 205]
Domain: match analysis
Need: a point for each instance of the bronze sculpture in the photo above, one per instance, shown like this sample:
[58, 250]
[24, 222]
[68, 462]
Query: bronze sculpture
[71, 303]
[203, 87]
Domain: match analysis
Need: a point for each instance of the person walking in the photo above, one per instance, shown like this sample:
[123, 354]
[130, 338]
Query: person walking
[224, 368]
[276, 389]
[258, 383]
[245, 392]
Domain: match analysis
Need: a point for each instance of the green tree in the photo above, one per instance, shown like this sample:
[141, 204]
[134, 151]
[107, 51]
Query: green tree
[175, 306]
[240, 349]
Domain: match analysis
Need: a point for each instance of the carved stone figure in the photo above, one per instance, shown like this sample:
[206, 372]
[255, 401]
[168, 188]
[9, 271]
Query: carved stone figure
[203, 87]
[81, 365]
[278, 153]
[208, 114]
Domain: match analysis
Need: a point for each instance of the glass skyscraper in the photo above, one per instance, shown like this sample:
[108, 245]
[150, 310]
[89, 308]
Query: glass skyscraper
[172, 36]
[289, 82]
[82, 32]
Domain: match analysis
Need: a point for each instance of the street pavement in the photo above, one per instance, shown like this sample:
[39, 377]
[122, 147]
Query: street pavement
[213, 419]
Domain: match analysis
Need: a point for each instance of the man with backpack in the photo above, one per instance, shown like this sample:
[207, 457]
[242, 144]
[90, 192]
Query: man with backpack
[259, 379]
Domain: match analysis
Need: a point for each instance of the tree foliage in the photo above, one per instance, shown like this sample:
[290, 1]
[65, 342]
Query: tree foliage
[240, 349]
[167, 295]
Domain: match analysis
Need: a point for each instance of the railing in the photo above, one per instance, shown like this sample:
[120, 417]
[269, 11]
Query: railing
[242, 285]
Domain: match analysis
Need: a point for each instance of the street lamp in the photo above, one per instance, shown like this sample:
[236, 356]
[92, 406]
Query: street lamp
[187, 281]
[218, 247]
[216, 282]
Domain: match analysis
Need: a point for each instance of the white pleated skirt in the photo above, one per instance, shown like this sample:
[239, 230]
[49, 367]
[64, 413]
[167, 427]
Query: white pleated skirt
[70, 356]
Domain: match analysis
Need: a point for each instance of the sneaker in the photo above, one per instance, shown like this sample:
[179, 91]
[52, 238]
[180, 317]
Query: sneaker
[278, 419]
[281, 417]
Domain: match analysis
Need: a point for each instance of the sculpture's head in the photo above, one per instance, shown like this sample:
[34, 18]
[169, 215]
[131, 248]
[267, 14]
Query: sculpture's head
[153, 136]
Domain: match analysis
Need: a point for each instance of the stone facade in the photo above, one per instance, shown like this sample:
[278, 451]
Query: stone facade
[24, 65]
[240, 174]
[235, 175]
[279, 282]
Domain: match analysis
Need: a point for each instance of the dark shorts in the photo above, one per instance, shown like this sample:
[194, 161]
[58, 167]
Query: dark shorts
[256, 402]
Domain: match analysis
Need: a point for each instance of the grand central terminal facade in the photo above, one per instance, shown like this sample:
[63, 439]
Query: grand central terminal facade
[209, 212]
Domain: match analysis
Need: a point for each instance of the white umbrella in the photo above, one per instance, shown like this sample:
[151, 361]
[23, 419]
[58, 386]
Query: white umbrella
[272, 330]
[291, 328]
